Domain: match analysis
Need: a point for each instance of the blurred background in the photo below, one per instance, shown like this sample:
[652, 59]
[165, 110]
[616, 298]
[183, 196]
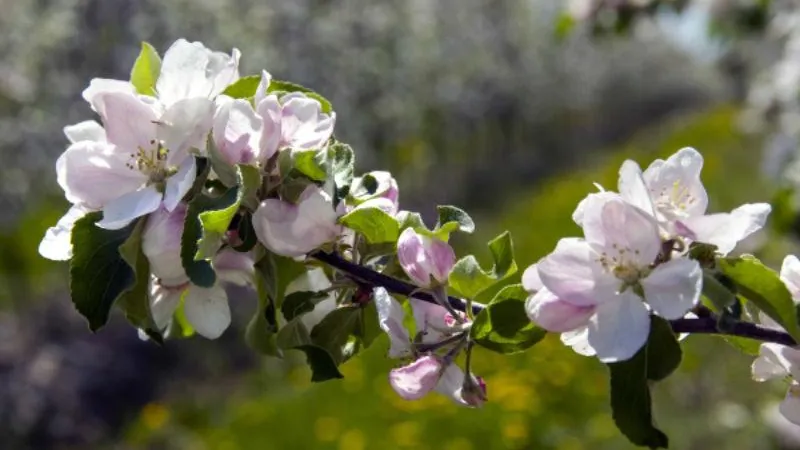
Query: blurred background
[510, 109]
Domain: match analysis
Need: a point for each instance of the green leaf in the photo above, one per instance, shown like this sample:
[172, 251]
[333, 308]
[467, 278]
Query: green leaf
[145, 70]
[763, 287]
[280, 87]
[246, 233]
[374, 223]
[226, 172]
[630, 392]
[408, 219]
[459, 219]
[469, 279]
[783, 217]
[369, 327]
[301, 302]
[334, 331]
[244, 87]
[310, 162]
[503, 326]
[564, 25]
[341, 165]
[135, 301]
[717, 293]
[217, 217]
[98, 274]
[323, 366]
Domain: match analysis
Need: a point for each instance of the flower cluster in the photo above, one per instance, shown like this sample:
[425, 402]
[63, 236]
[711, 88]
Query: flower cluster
[600, 290]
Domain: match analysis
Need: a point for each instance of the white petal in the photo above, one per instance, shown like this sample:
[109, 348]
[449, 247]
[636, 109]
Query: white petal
[579, 341]
[237, 131]
[675, 184]
[430, 319]
[303, 125]
[104, 85]
[570, 271]
[94, 173]
[531, 280]
[313, 280]
[120, 212]
[321, 309]
[180, 183]
[207, 310]
[161, 244]
[223, 70]
[587, 213]
[183, 72]
[163, 303]
[390, 318]
[726, 230]
[186, 125]
[674, 287]
[234, 267]
[619, 328]
[88, 130]
[632, 187]
[57, 242]
[629, 233]
[269, 109]
[790, 275]
[263, 86]
[129, 123]
[450, 384]
[775, 360]
[790, 406]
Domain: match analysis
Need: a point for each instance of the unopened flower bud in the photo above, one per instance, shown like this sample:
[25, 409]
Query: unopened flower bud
[473, 391]
[426, 260]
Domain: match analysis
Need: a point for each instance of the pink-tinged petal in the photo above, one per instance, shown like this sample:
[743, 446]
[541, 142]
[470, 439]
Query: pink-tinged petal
[531, 280]
[223, 70]
[95, 173]
[411, 254]
[130, 124]
[554, 314]
[263, 87]
[776, 360]
[633, 189]
[630, 234]
[440, 258]
[431, 320]
[619, 328]
[571, 271]
[303, 124]
[104, 85]
[319, 220]
[726, 230]
[180, 183]
[790, 275]
[161, 244]
[416, 380]
[579, 341]
[587, 213]
[313, 280]
[237, 131]
[675, 184]
[88, 130]
[207, 310]
[185, 125]
[790, 406]
[673, 288]
[184, 73]
[390, 318]
[272, 223]
[57, 242]
[269, 109]
[451, 383]
[163, 303]
[234, 267]
[120, 212]
[473, 391]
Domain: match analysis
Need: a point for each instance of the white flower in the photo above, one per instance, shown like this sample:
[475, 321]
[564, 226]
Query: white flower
[600, 282]
[672, 192]
[296, 229]
[428, 372]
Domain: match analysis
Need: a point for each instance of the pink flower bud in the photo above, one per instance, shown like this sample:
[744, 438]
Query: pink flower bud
[414, 381]
[161, 244]
[425, 257]
[473, 391]
[554, 314]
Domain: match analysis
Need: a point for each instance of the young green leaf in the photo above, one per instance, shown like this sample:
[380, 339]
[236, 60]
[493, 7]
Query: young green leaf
[469, 279]
[374, 223]
[503, 326]
[294, 336]
[299, 303]
[453, 218]
[244, 87]
[630, 392]
[763, 287]
[341, 160]
[98, 274]
[146, 68]
[334, 331]
[310, 162]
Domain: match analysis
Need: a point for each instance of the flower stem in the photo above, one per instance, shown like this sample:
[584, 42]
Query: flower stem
[701, 325]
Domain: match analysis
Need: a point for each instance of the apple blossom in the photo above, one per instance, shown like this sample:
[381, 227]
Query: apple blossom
[206, 309]
[294, 120]
[425, 259]
[426, 372]
[296, 229]
[600, 282]
[672, 192]
[237, 131]
[377, 185]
